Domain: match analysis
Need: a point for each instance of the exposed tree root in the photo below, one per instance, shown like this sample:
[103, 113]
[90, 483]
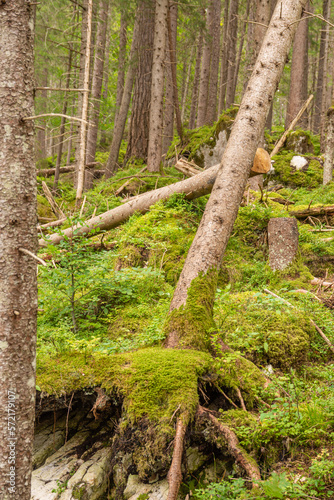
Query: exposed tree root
[234, 448]
[175, 474]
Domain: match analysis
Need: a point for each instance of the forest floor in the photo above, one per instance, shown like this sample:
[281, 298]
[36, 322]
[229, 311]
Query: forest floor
[100, 328]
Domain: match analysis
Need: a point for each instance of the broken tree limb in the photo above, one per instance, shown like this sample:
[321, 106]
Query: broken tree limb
[302, 214]
[49, 172]
[55, 208]
[281, 141]
[54, 223]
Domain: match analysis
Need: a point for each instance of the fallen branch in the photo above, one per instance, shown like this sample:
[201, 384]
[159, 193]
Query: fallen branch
[73, 118]
[233, 446]
[302, 214]
[281, 141]
[55, 223]
[27, 252]
[55, 207]
[326, 339]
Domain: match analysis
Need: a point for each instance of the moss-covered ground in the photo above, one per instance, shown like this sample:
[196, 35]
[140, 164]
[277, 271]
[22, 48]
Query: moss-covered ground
[120, 299]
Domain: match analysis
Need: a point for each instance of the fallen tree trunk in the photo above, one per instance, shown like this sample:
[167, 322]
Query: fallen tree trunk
[194, 187]
[49, 172]
[303, 214]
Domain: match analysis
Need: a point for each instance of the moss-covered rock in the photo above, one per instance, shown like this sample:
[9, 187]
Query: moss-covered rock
[299, 141]
[289, 176]
[205, 145]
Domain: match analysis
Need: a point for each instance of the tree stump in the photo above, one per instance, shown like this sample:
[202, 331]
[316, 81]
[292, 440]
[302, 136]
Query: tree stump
[283, 242]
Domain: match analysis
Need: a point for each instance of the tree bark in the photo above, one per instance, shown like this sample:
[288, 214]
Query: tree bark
[194, 98]
[186, 87]
[205, 71]
[224, 60]
[299, 75]
[206, 252]
[211, 111]
[112, 165]
[321, 71]
[231, 51]
[139, 121]
[96, 89]
[168, 130]
[157, 90]
[329, 147]
[172, 48]
[18, 276]
[83, 128]
[121, 61]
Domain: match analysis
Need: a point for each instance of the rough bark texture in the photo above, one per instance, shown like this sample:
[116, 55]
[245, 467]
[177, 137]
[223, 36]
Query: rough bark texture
[121, 61]
[18, 285]
[231, 51]
[211, 112]
[329, 147]
[205, 71]
[168, 130]
[283, 242]
[157, 89]
[194, 98]
[224, 60]
[210, 242]
[299, 75]
[96, 89]
[321, 71]
[112, 165]
[139, 122]
[172, 49]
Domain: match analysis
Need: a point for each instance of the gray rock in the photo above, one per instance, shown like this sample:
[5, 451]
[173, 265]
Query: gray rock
[299, 162]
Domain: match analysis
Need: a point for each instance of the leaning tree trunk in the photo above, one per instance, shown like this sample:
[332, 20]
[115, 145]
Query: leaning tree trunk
[157, 89]
[96, 89]
[299, 75]
[18, 235]
[189, 323]
[209, 245]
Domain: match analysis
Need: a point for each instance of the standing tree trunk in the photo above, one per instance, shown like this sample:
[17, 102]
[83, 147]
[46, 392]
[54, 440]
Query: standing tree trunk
[224, 60]
[194, 97]
[84, 116]
[157, 93]
[172, 49]
[186, 87]
[139, 121]
[18, 271]
[231, 51]
[321, 71]
[96, 89]
[329, 146]
[112, 165]
[299, 75]
[121, 61]
[205, 71]
[168, 130]
[211, 111]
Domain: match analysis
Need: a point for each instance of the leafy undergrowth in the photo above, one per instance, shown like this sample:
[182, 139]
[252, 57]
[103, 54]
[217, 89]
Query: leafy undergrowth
[102, 323]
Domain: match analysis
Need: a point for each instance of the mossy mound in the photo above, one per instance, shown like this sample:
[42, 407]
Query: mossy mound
[199, 144]
[265, 330]
[153, 382]
[311, 178]
[43, 208]
[299, 141]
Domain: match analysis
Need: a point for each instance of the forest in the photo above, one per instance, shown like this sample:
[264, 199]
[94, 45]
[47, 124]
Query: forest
[166, 249]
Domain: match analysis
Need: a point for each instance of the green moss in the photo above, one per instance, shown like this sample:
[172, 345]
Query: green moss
[299, 141]
[195, 139]
[193, 322]
[311, 178]
[43, 207]
[153, 382]
[265, 330]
